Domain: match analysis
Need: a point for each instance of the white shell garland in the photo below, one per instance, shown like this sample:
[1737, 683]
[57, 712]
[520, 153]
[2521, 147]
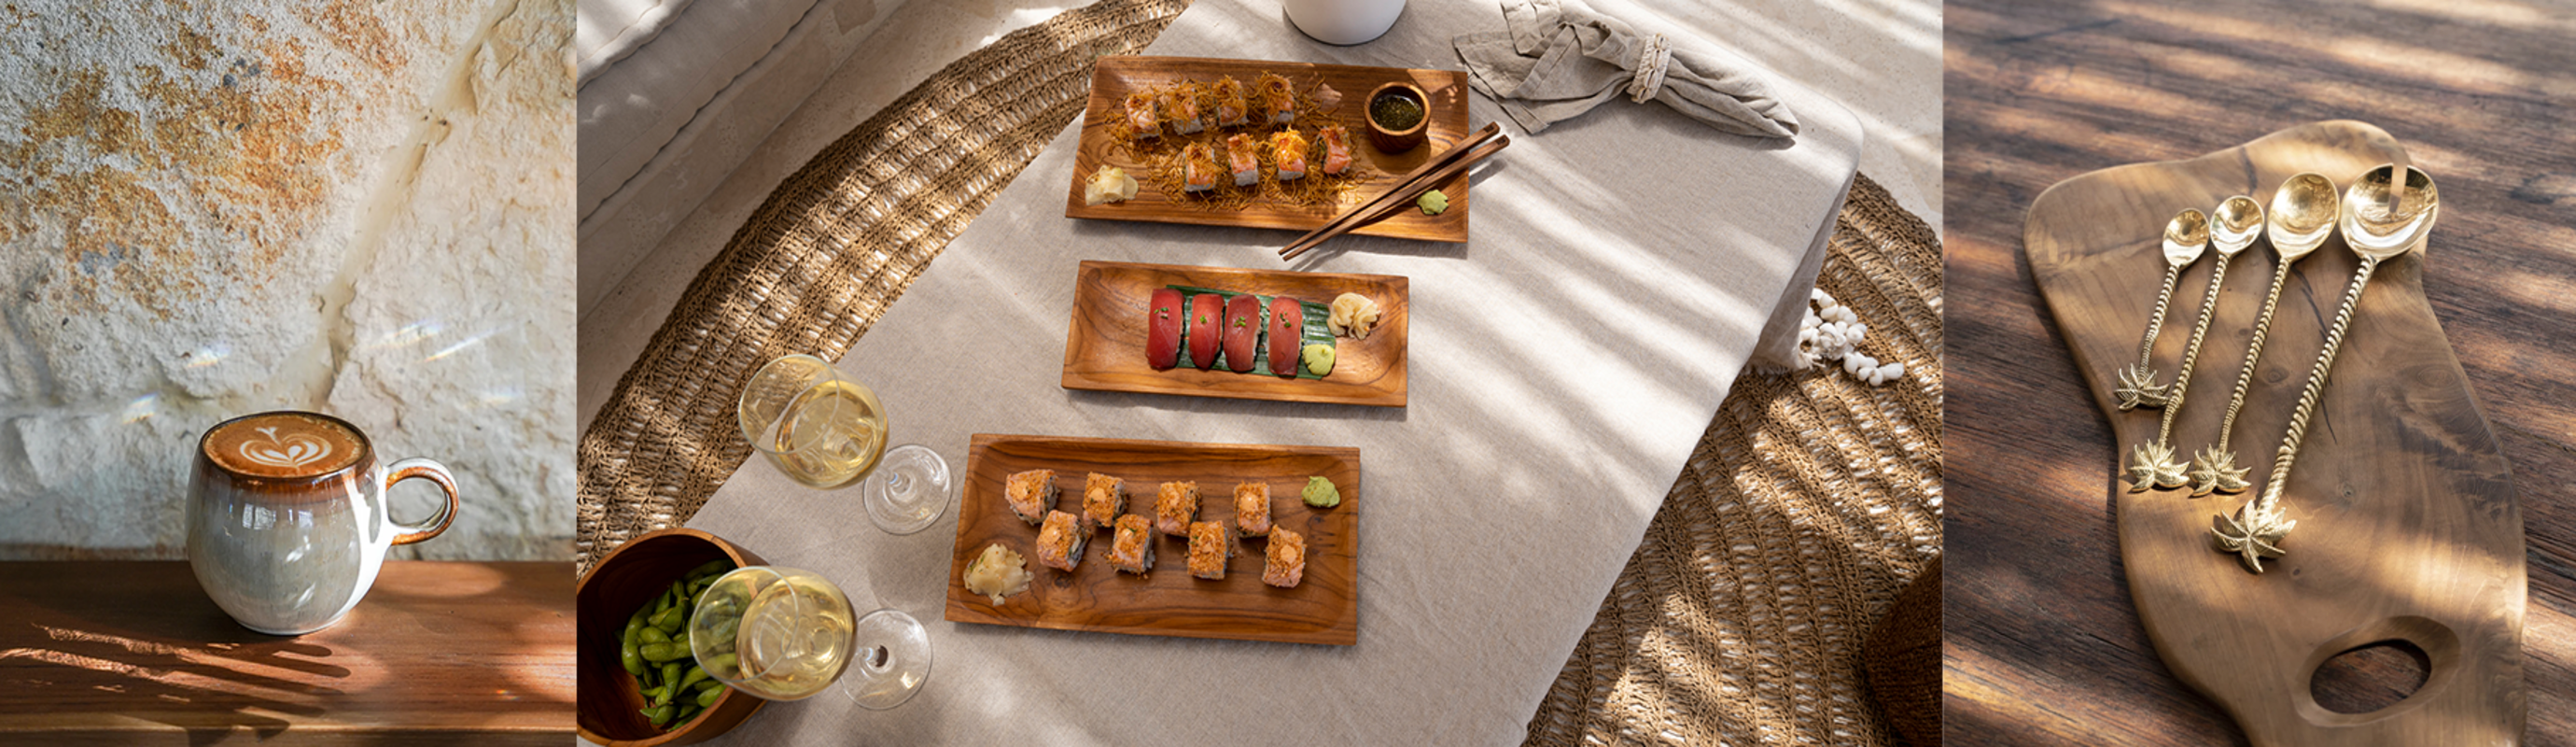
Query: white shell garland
[1833, 332]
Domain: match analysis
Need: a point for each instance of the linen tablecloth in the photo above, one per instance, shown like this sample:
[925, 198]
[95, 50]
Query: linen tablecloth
[1564, 363]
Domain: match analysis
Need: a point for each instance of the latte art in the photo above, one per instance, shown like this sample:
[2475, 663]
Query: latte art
[283, 445]
[295, 450]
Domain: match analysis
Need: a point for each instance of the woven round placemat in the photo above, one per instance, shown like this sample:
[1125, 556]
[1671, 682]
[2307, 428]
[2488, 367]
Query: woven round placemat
[1810, 500]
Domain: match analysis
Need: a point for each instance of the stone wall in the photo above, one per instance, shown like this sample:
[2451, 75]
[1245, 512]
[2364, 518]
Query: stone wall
[211, 208]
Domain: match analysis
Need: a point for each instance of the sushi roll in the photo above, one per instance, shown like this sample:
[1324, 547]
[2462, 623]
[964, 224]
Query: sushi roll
[1141, 120]
[1060, 541]
[1231, 109]
[1278, 101]
[1252, 508]
[1163, 329]
[1199, 168]
[1131, 546]
[1181, 108]
[1101, 496]
[1287, 330]
[1242, 331]
[1337, 149]
[1288, 149]
[1286, 564]
[1211, 544]
[1030, 493]
[1244, 159]
[1204, 329]
[1175, 506]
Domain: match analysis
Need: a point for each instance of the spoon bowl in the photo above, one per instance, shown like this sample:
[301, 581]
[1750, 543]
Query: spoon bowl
[2186, 236]
[2302, 216]
[2378, 230]
[2235, 224]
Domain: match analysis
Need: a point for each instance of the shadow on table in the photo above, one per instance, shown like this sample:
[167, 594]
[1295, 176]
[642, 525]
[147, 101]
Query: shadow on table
[174, 651]
[1236, 407]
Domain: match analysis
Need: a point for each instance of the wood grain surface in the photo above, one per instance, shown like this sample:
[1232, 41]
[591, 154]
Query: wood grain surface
[1104, 346]
[134, 653]
[2407, 522]
[2043, 644]
[1323, 608]
[1373, 170]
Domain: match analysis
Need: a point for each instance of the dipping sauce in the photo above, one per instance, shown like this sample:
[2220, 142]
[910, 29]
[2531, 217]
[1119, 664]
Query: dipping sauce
[1395, 111]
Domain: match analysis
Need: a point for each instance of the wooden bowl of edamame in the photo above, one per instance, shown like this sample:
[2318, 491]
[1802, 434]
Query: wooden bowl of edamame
[612, 706]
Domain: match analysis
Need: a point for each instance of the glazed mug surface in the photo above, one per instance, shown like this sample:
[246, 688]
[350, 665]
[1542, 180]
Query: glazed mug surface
[286, 518]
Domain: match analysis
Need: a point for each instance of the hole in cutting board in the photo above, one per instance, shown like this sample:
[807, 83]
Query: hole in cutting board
[2370, 677]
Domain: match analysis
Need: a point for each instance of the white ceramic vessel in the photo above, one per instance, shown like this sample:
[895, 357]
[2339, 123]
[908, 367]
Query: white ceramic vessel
[1344, 22]
[286, 518]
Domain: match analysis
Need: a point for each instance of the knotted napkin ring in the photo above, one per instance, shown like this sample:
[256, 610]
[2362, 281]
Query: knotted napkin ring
[1652, 57]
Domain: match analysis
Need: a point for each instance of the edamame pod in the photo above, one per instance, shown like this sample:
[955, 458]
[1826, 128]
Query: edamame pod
[707, 698]
[667, 620]
[710, 568]
[652, 634]
[627, 654]
[696, 675]
[659, 715]
[671, 675]
[721, 663]
[662, 652]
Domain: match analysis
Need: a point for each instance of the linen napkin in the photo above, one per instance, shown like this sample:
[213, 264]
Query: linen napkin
[1561, 58]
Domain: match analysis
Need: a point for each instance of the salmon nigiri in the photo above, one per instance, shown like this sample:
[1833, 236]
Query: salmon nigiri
[1289, 150]
[1337, 149]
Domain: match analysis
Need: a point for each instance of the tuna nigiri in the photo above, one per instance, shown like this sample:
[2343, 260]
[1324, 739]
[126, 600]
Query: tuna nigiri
[1163, 329]
[1245, 161]
[1242, 331]
[1207, 317]
[1287, 329]
[1337, 149]
[1199, 168]
[1289, 150]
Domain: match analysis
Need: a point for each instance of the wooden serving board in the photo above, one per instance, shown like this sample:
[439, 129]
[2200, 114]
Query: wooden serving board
[1115, 77]
[2408, 529]
[1104, 348]
[1323, 608]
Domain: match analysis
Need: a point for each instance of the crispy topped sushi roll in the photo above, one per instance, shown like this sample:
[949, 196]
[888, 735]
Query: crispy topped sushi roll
[1141, 120]
[1278, 100]
[1243, 159]
[1030, 493]
[1131, 545]
[1337, 149]
[1288, 149]
[1175, 507]
[1231, 109]
[1060, 541]
[1199, 168]
[1252, 508]
[1101, 497]
[1181, 108]
[1286, 564]
[1211, 544]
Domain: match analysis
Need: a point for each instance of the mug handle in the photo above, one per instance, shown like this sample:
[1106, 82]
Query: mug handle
[434, 472]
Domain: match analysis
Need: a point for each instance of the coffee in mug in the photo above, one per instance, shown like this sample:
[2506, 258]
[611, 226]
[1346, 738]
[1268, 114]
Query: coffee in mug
[286, 518]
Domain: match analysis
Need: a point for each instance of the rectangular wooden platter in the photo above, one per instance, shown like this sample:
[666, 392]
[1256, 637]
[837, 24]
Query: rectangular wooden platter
[1104, 346]
[1323, 608]
[1115, 77]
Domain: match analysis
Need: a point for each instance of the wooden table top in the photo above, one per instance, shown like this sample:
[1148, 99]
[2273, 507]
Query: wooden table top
[437, 653]
[2041, 645]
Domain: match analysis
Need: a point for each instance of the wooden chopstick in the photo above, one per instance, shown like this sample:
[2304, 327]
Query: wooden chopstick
[1490, 130]
[1403, 200]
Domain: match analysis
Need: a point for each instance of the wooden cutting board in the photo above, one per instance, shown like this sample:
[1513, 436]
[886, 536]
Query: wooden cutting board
[1373, 170]
[2408, 529]
[1322, 608]
[1104, 344]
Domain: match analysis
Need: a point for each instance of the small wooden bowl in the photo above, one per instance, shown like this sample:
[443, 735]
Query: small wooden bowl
[628, 578]
[1397, 141]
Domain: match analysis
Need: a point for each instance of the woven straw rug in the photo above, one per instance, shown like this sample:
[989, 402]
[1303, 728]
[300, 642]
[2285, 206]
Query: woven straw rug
[1808, 504]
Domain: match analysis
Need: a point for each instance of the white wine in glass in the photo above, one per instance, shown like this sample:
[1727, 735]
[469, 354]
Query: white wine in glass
[788, 634]
[819, 427]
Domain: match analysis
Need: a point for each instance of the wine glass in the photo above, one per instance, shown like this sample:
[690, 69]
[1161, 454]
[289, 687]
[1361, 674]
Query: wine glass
[827, 430]
[787, 634]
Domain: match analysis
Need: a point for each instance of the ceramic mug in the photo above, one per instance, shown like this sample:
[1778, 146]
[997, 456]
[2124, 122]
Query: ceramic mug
[286, 518]
[1344, 22]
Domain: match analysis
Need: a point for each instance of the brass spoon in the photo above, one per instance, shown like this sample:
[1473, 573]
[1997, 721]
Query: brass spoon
[2185, 237]
[2302, 217]
[2378, 229]
[2232, 227]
